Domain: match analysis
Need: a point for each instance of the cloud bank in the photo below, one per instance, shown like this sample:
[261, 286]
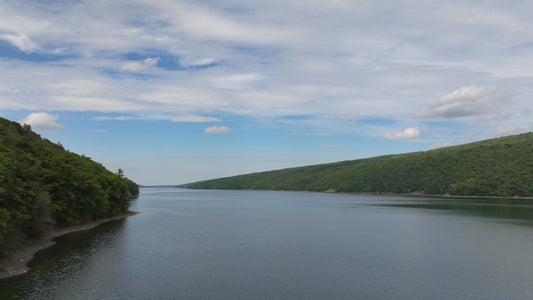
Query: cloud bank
[290, 62]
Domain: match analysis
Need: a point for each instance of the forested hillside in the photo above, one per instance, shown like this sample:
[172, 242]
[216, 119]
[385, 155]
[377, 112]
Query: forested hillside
[496, 167]
[42, 186]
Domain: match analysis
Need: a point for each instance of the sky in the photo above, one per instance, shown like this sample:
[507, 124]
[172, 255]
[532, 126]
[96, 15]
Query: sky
[175, 91]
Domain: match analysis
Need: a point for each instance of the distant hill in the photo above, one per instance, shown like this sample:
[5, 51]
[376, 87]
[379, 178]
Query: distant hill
[500, 167]
[43, 186]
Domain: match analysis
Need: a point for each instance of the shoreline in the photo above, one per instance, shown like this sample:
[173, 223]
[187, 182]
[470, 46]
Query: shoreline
[18, 263]
[414, 194]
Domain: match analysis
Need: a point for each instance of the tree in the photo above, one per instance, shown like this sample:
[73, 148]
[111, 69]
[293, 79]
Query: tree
[42, 185]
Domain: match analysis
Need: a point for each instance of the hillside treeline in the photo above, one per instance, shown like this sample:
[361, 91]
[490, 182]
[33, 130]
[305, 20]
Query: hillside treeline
[42, 186]
[500, 167]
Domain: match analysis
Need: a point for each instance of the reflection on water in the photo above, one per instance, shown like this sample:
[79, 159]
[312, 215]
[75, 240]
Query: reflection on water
[71, 254]
[282, 245]
[519, 211]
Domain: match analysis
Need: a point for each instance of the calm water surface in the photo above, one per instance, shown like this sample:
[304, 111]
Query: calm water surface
[195, 244]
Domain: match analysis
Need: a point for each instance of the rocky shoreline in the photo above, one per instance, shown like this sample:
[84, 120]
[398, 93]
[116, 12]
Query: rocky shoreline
[17, 264]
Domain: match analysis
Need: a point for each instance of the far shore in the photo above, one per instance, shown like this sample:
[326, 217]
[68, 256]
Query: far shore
[17, 264]
[413, 194]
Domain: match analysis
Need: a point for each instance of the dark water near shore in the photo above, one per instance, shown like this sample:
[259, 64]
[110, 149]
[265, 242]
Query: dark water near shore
[191, 244]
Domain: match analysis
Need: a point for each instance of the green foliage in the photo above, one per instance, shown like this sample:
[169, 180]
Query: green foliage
[500, 167]
[42, 185]
[133, 188]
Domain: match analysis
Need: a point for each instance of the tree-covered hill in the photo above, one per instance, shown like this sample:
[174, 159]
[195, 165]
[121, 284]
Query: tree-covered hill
[500, 167]
[43, 186]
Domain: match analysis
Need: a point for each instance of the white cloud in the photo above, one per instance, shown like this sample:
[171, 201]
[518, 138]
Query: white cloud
[193, 119]
[217, 130]
[20, 40]
[209, 24]
[117, 118]
[156, 117]
[235, 82]
[135, 66]
[42, 121]
[467, 101]
[192, 61]
[505, 131]
[332, 147]
[407, 134]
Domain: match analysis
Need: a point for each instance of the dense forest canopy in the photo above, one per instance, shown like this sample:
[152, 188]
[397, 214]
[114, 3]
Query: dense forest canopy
[42, 185]
[501, 167]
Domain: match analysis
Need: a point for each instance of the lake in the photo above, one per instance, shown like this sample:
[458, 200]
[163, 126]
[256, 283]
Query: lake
[207, 244]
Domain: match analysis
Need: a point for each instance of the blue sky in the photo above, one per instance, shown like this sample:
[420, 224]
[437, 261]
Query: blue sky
[177, 91]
